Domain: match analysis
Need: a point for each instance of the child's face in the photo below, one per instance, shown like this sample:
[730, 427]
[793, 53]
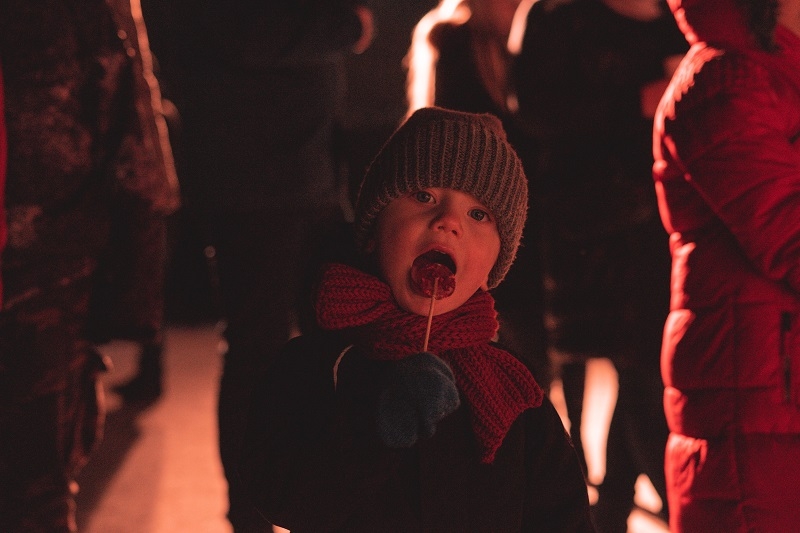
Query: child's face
[445, 220]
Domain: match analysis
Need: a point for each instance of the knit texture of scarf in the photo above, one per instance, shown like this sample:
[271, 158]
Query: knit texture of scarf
[496, 386]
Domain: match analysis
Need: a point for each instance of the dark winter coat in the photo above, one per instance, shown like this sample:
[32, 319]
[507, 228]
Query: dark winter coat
[579, 78]
[83, 145]
[82, 132]
[259, 86]
[728, 178]
[314, 463]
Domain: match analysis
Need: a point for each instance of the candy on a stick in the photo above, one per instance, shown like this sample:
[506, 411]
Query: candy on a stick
[433, 279]
[430, 315]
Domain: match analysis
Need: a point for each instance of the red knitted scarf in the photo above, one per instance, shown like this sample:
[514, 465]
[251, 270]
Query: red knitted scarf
[495, 385]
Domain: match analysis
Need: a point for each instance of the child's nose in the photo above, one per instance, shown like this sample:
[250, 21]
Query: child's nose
[448, 220]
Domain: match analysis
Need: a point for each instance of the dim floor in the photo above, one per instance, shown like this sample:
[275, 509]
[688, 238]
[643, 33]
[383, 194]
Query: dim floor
[158, 471]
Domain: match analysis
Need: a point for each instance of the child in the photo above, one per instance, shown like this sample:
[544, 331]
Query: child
[357, 428]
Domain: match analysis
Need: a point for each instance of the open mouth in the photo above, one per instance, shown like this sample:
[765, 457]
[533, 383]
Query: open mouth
[436, 257]
[434, 274]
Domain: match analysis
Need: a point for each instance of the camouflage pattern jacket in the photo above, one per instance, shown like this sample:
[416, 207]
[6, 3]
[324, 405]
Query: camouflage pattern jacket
[84, 126]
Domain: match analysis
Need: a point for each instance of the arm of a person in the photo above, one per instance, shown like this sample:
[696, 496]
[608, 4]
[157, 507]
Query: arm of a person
[733, 140]
[557, 499]
[309, 462]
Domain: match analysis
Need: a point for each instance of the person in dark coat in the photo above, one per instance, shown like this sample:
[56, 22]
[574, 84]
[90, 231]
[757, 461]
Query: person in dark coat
[365, 426]
[727, 175]
[260, 88]
[81, 140]
[588, 77]
[122, 306]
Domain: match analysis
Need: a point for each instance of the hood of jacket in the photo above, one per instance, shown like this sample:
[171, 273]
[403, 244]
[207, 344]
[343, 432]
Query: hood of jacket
[717, 22]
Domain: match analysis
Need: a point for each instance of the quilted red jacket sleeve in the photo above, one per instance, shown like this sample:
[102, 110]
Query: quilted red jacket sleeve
[744, 165]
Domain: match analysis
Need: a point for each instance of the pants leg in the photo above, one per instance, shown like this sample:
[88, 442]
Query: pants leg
[573, 378]
[50, 413]
[637, 439]
[615, 493]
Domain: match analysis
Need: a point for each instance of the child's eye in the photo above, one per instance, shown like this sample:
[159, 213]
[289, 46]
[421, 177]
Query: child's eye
[423, 196]
[479, 214]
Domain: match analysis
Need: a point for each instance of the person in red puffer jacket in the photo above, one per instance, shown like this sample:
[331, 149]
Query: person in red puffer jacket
[727, 172]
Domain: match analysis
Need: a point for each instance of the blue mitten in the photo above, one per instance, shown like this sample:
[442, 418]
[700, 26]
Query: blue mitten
[420, 392]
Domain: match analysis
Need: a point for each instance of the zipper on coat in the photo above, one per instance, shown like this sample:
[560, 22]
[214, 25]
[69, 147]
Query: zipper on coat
[786, 325]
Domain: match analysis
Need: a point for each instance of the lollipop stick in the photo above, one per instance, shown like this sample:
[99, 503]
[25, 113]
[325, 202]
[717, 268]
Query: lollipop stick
[430, 316]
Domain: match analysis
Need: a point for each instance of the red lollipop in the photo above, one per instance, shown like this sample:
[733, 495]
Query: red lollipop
[432, 277]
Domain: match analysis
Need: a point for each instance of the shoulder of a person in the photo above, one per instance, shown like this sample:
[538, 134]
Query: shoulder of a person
[515, 355]
[538, 381]
[315, 343]
[708, 71]
[542, 421]
[448, 33]
[544, 430]
[545, 410]
[313, 352]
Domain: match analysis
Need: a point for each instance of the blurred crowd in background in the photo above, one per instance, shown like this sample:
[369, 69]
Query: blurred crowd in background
[193, 161]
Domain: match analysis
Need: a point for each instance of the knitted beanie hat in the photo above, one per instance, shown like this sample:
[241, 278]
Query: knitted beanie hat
[455, 150]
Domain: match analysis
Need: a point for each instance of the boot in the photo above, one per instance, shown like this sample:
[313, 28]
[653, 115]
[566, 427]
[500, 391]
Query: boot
[145, 387]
